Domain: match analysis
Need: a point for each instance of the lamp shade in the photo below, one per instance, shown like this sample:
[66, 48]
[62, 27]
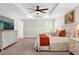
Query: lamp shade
[77, 27]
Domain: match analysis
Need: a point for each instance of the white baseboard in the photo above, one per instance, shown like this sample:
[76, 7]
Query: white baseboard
[29, 37]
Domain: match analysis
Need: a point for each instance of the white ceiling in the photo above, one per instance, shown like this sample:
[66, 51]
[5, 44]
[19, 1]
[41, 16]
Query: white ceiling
[20, 9]
[64, 8]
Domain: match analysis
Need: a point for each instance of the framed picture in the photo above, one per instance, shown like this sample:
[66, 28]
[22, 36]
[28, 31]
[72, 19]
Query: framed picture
[69, 18]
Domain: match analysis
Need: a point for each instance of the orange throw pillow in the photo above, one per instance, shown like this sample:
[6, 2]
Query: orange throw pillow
[62, 33]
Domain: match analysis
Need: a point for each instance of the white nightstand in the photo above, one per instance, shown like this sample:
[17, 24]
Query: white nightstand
[74, 46]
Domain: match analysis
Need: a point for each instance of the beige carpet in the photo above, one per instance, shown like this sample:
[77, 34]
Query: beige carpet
[26, 47]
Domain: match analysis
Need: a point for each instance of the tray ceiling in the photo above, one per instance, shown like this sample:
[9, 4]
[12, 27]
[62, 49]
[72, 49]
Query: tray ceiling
[20, 9]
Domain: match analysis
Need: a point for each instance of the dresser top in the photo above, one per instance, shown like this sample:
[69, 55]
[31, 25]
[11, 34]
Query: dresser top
[7, 30]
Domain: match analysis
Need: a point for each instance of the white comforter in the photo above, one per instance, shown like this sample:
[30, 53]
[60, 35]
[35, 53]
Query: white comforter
[56, 43]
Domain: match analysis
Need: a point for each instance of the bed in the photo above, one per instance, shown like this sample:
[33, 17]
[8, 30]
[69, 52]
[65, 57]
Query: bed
[56, 44]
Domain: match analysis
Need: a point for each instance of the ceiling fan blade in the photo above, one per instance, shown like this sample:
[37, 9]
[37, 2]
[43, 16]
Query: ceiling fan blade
[30, 9]
[44, 9]
[42, 12]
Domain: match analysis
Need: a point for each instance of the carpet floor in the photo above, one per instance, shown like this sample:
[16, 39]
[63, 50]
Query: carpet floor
[26, 47]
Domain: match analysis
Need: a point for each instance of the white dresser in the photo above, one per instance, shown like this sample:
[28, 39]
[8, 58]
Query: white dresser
[74, 46]
[7, 37]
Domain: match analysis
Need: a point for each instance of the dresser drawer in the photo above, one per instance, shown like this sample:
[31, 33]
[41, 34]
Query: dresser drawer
[76, 52]
[71, 49]
[76, 44]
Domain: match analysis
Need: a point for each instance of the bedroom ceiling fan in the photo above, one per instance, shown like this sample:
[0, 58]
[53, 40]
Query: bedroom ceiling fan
[38, 9]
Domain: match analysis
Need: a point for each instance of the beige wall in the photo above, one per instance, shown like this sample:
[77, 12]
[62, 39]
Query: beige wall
[32, 28]
[17, 22]
[59, 22]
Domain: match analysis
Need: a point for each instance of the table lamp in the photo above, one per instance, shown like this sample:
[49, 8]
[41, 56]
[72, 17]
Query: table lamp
[77, 28]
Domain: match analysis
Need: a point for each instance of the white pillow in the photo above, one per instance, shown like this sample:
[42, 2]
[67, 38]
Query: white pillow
[57, 33]
[70, 34]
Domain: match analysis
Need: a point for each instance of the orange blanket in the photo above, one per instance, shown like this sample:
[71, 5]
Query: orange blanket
[44, 40]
